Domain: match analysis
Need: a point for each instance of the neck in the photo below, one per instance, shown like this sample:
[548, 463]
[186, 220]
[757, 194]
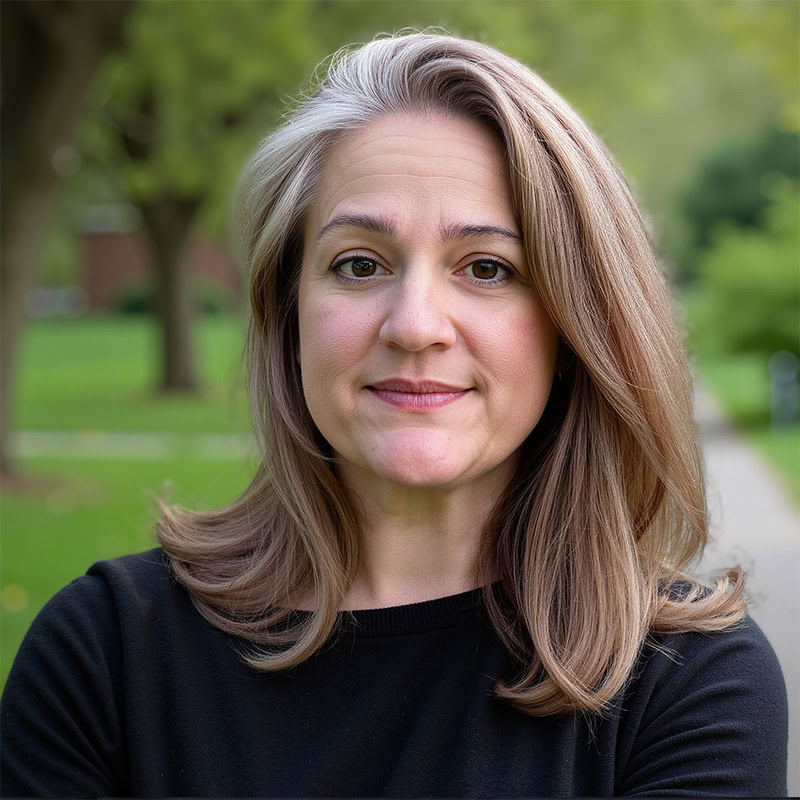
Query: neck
[418, 543]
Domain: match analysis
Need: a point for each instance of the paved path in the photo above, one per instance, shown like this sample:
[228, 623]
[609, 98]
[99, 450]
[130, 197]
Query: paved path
[753, 521]
[755, 524]
[132, 446]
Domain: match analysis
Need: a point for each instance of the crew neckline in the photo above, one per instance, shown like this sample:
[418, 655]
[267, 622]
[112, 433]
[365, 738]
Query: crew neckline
[427, 615]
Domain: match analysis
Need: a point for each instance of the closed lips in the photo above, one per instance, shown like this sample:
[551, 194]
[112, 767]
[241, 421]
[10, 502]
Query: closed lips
[416, 396]
[415, 387]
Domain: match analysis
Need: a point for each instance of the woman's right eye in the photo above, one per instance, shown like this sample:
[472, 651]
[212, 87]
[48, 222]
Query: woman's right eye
[357, 268]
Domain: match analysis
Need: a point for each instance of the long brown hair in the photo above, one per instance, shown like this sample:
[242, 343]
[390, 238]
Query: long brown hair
[607, 509]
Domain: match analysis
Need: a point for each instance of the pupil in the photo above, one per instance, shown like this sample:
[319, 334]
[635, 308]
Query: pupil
[362, 268]
[485, 269]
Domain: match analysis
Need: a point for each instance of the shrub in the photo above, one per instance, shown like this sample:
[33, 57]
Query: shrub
[209, 298]
[752, 280]
[733, 185]
[136, 299]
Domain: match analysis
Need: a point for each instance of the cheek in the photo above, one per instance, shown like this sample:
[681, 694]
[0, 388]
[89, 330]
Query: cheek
[518, 351]
[334, 337]
[521, 346]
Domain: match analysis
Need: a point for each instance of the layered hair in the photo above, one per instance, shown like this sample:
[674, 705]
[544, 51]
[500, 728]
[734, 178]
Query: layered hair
[606, 513]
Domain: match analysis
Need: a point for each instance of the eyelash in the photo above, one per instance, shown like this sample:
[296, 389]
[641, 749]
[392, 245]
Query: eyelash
[509, 270]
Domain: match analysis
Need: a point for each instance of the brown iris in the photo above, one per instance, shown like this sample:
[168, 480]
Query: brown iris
[363, 267]
[484, 269]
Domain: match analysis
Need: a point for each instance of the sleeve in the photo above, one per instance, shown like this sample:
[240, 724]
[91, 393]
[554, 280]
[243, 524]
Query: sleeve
[715, 719]
[62, 732]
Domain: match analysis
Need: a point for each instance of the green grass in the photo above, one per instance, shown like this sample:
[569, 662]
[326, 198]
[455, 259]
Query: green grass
[101, 510]
[99, 373]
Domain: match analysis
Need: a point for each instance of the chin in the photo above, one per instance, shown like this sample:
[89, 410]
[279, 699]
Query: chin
[421, 462]
[421, 478]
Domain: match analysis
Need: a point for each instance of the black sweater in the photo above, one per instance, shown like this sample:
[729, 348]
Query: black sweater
[121, 687]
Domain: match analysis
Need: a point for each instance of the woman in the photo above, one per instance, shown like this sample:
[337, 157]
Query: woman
[461, 567]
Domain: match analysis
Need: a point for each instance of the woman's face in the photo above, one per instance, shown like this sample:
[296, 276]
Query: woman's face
[425, 360]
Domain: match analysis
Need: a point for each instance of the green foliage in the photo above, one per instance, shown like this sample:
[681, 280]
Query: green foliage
[212, 298]
[137, 299]
[733, 184]
[751, 277]
[659, 81]
[201, 81]
[140, 298]
[767, 31]
[178, 110]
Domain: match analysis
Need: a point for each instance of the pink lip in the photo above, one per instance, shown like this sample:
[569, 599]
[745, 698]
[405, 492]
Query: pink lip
[416, 395]
[417, 387]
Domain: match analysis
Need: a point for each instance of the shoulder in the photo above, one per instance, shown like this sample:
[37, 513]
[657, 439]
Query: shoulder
[737, 656]
[716, 698]
[139, 578]
[738, 660]
[68, 681]
[103, 622]
[684, 655]
[90, 612]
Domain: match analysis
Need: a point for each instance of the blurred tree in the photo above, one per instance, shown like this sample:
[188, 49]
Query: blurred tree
[172, 118]
[733, 185]
[50, 51]
[752, 279]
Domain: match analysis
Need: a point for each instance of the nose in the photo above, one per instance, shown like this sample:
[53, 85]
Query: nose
[418, 314]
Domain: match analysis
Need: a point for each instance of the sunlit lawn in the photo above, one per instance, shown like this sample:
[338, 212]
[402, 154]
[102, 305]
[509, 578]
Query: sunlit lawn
[100, 374]
[102, 510]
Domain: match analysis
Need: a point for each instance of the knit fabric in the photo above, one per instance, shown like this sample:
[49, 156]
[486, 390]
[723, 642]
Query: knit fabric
[122, 688]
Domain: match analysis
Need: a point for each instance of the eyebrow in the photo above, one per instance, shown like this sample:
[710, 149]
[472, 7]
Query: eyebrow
[381, 225]
[464, 231]
[386, 227]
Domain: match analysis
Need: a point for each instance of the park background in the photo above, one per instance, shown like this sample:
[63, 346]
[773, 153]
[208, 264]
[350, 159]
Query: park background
[125, 126]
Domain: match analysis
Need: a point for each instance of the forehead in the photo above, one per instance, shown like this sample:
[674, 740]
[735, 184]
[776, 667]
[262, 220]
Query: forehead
[417, 167]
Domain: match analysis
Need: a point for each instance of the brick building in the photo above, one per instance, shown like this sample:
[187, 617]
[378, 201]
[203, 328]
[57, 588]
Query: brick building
[118, 258]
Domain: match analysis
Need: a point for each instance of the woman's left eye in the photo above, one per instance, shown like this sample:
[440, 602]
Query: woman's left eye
[487, 270]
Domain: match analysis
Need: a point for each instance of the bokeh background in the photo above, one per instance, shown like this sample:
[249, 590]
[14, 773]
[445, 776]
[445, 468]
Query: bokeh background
[124, 127]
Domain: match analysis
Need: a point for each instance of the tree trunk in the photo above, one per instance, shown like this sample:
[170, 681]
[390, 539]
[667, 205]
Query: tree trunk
[50, 51]
[168, 220]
